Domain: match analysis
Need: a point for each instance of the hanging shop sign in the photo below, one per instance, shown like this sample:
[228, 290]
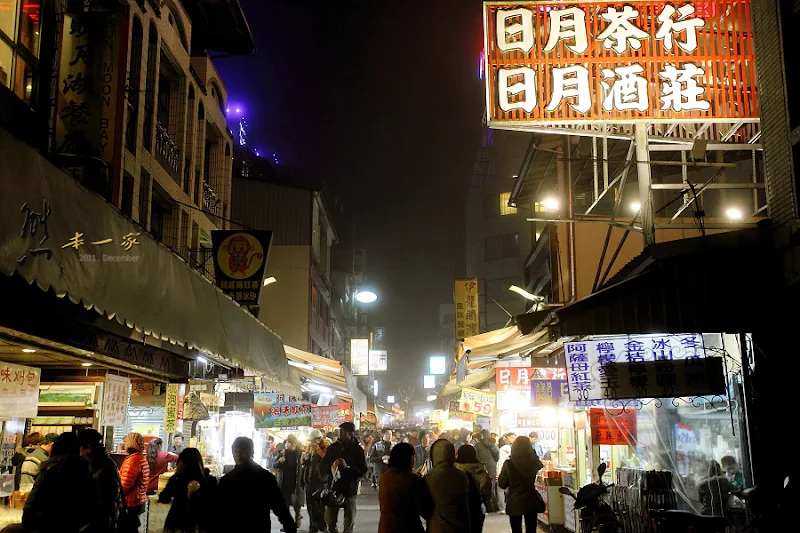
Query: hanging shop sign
[595, 369]
[477, 402]
[437, 365]
[240, 260]
[171, 411]
[578, 62]
[548, 392]
[378, 360]
[331, 415]
[438, 415]
[428, 381]
[19, 390]
[610, 427]
[278, 410]
[115, 400]
[359, 357]
[467, 317]
[379, 338]
[514, 387]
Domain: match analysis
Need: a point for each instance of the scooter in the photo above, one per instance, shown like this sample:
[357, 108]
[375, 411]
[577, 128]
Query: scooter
[678, 521]
[597, 516]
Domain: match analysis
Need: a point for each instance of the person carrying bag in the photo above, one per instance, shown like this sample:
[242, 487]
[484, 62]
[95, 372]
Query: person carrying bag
[518, 475]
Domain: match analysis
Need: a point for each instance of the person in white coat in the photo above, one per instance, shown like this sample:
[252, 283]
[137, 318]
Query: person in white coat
[504, 443]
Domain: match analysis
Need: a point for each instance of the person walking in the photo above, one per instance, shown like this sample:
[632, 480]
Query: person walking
[518, 476]
[463, 438]
[32, 464]
[349, 462]
[158, 461]
[247, 494]
[312, 479]
[62, 498]
[480, 486]
[379, 455]
[107, 493]
[135, 475]
[191, 491]
[403, 495]
[449, 488]
[422, 454]
[289, 466]
[505, 452]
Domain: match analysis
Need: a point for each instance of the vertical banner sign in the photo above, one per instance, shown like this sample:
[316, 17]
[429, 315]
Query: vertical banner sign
[466, 300]
[240, 260]
[171, 412]
[359, 357]
[592, 365]
[115, 400]
[19, 390]
[610, 427]
[588, 62]
[378, 360]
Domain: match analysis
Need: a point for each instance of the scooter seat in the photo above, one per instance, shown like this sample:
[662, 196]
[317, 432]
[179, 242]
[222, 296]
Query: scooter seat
[687, 519]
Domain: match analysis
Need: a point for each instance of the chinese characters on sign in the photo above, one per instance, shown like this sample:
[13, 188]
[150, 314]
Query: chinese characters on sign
[359, 357]
[477, 402]
[613, 427]
[19, 390]
[378, 361]
[466, 299]
[514, 384]
[330, 415]
[34, 225]
[240, 260]
[278, 410]
[171, 412]
[115, 400]
[622, 61]
[548, 392]
[594, 372]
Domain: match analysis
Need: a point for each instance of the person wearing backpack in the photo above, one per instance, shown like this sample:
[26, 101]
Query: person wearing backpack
[519, 477]
[191, 491]
[32, 464]
[108, 487]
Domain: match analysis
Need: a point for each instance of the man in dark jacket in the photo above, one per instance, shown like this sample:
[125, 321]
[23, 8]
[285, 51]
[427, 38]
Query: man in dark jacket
[488, 452]
[422, 453]
[313, 480]
[346, 462]
[248, 493]
[463, 438]
[449, 488]
[379, 455]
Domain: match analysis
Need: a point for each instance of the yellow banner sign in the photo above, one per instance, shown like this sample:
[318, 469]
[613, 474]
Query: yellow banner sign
[466, 300]
[477, 402]
[171, 417]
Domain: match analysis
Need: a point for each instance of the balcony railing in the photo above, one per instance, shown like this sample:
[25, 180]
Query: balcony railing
[210, 199]
[201, 259]
[166, 147]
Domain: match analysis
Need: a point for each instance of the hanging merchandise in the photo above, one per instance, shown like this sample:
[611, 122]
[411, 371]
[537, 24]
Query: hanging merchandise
[193, 408]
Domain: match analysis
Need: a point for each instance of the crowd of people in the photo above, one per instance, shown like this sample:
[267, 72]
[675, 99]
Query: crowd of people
[447, 481]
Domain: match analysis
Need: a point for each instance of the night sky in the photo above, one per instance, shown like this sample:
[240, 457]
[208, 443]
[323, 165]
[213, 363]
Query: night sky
[381, 101]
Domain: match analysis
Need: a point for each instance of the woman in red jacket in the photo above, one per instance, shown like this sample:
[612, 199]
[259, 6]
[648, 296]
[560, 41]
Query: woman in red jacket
[135, 474]
[158, 461]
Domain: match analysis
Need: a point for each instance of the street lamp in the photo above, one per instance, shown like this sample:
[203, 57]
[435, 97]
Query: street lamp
[366, 296]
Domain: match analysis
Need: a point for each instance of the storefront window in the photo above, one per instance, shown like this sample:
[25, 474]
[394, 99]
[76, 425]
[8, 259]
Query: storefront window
[23, 80]
[6, 56]
[29, 26]
[8, 16]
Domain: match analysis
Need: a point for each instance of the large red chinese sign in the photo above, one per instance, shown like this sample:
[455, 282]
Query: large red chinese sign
[559, 62]
[612, 428]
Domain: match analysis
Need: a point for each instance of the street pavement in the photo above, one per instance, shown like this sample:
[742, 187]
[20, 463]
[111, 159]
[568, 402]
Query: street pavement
[368, 515]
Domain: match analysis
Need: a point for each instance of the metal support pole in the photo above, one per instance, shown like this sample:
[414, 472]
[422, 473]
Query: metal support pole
[643, 171]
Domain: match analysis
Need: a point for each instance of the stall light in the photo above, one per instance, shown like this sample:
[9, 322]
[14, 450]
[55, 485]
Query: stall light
[301, 365]
[551, 204]
[734, 213]
[201, 359]
[635, 207]
[390, 399]
[86, 364]
[549, 416]
[525, 294]
[28, 350]
[269, 281]
[320, 388]
[430, 397]
[328, 368]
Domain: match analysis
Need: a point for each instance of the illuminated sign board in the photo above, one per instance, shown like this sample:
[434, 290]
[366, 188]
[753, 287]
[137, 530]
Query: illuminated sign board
[438, 365]
[580, 62]
[359, 357]
[378, 360]
[428, 381]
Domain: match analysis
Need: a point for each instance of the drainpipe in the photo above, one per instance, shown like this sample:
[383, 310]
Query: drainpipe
[573, 282]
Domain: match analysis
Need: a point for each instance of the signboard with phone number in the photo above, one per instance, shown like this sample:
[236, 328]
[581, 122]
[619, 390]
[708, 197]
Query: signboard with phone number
[477, 402]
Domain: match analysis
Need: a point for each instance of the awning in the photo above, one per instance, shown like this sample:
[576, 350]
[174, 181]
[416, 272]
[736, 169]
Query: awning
[317, 362]
[711, 284]
[509, 343]
[143, 286]
[474, 380]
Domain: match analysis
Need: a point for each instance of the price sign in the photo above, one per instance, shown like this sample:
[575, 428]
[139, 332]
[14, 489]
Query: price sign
[477, 402]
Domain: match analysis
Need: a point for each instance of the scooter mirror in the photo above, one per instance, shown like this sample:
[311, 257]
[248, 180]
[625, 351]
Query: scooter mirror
[601, 470]
[565, 490]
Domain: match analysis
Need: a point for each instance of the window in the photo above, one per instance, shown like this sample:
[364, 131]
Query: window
[498, 288]
[127, 194]
[502, 247]
[505, 209]
[314, 297]
[144, 199]
[19, 47]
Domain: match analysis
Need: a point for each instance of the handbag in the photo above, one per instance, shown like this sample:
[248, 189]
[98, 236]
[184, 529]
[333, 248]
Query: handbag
[127, 521]
[538, 502]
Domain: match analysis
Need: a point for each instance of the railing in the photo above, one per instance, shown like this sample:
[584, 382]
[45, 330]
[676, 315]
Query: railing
[201, 259]
[200, 84]
[210, 199]
[166, 147]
